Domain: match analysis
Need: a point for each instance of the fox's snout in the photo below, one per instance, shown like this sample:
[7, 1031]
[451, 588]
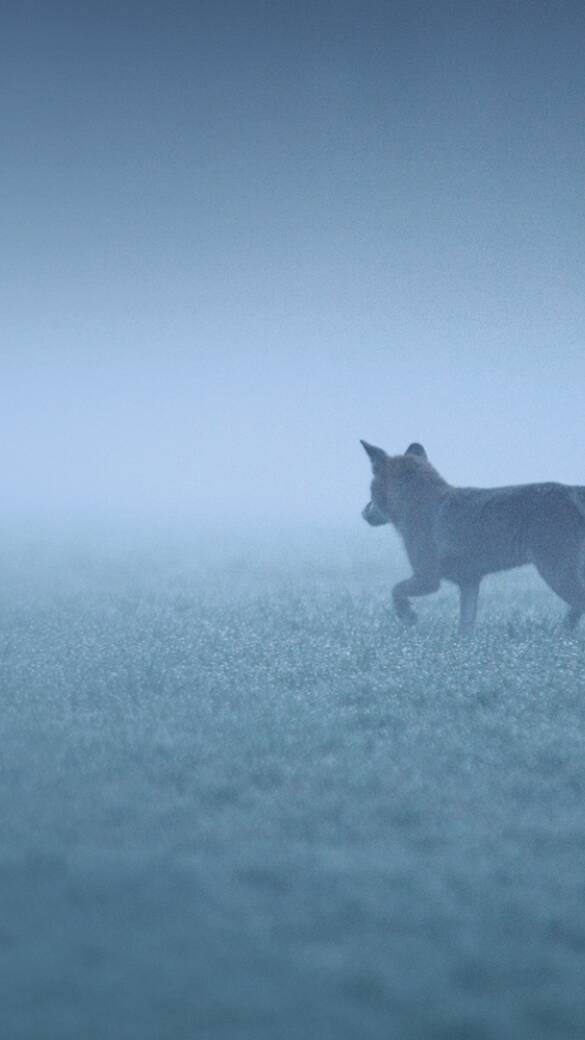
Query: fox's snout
[374, 516]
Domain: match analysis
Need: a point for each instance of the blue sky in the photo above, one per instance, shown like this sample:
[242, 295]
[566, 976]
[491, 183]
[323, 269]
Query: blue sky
[239, 236]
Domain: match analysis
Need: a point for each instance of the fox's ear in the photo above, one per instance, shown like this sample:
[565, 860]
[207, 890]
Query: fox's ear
[416, 449]
[377, 455]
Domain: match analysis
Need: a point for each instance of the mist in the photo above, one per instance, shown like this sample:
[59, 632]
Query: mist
[245, 796]
[237, 241]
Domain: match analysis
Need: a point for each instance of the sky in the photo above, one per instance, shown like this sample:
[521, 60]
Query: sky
[239, 236]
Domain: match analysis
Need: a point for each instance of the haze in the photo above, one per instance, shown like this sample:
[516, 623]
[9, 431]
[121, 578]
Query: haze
[239, 237]
[239, 798]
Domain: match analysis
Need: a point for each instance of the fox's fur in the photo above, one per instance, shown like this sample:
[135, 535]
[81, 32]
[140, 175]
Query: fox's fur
[462, 534]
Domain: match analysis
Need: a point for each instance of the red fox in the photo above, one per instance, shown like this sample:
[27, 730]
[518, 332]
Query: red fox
[462, 534]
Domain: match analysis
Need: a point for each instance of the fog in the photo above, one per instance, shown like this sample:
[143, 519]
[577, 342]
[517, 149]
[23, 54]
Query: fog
[240, 799]
[238, 238]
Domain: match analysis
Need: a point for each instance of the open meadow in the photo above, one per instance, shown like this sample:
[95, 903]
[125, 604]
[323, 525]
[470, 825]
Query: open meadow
[239, 801]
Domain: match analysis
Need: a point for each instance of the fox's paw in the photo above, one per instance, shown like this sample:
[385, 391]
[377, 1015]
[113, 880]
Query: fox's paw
[407, 616]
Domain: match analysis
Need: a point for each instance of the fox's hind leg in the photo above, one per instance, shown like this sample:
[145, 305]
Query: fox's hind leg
[564, 574]
[572, 618]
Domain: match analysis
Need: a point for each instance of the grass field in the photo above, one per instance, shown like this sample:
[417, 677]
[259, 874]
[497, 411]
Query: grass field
[238, 800]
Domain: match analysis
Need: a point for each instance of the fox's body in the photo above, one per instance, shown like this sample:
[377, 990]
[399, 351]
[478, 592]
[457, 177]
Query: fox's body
[462, 534]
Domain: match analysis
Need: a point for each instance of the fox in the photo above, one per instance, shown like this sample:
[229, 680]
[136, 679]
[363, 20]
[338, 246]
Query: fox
[461, 534]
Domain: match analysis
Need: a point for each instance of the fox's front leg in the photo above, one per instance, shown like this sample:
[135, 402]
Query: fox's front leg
[469, 591]
[417, 585]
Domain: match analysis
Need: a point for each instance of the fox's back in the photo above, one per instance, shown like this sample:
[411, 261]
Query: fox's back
[495, 529]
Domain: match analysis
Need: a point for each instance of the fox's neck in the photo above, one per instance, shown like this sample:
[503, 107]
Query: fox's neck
[423, 500]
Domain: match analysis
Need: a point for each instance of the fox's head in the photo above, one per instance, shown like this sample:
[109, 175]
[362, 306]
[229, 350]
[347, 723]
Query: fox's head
[395, 477]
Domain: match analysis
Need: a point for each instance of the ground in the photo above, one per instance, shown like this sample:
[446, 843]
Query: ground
[239, 801]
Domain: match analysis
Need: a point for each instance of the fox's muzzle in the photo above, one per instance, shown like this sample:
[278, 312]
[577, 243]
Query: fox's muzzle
[374, 516]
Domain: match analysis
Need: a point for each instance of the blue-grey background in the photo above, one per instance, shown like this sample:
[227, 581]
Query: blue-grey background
[238, 236]
[237, 800]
